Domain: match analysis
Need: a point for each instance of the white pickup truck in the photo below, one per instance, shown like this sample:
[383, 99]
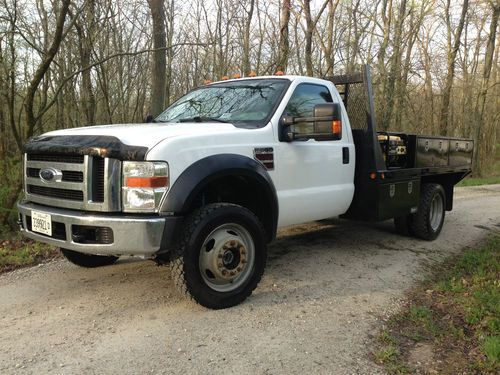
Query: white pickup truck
[205, 186]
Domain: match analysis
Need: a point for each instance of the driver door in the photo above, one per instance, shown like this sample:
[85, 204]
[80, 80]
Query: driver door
[312, 178]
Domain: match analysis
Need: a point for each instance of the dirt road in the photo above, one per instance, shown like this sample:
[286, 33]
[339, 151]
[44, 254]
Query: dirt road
[325, 288]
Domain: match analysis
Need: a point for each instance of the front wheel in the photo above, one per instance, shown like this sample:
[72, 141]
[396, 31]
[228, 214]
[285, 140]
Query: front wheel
[221, 255]
[428, 221]
[88, 260]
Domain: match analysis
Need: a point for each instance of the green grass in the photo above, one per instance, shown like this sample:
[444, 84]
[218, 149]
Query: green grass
[492, 173]
[16, 252]
[457, 311]
[476, 181]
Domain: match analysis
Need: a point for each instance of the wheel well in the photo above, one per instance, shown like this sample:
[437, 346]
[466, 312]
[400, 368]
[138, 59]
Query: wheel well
[241, 190]
[447, 181]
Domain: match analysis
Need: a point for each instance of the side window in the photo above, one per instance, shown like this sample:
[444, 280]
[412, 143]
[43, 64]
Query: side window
[302, 102]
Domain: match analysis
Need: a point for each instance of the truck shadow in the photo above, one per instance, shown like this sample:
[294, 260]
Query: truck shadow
[305, 260]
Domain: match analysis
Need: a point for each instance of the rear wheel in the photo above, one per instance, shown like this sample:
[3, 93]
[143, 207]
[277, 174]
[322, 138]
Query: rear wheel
[428, 221]
[88, 260]
[221, 255]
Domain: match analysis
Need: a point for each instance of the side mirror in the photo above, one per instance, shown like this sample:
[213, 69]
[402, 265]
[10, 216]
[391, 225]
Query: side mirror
[333, 126]
[327, 124]
[149, 118]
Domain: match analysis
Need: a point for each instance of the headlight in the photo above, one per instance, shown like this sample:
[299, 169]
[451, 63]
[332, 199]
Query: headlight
[144, 184]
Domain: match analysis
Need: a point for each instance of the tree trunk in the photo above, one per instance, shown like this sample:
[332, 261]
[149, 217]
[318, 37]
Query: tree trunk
[284, 44]
[395, 68]
[452, 56]
[158, 76]
[43, 67]
[246, 40]
[85, 52]
[170, 54]
[481, 102]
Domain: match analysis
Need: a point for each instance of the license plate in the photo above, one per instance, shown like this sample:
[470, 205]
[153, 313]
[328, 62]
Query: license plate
[41, 223]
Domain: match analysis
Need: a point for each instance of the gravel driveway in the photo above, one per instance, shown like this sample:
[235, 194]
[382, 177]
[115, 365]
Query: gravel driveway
[325, 289]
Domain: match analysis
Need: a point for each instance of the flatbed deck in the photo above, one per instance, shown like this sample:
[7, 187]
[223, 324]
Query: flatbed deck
[391, 166]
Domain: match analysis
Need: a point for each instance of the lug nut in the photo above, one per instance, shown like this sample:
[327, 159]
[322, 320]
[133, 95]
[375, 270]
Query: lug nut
[220, 265]
[239, 269]
[224, 272]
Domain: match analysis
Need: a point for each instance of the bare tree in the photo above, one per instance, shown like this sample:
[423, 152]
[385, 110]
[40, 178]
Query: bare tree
[284, 46]
[453, 47]
[158, 76]
[485, 81]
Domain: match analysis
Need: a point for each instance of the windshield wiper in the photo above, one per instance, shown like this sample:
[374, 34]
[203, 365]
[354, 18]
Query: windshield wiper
[202, 119]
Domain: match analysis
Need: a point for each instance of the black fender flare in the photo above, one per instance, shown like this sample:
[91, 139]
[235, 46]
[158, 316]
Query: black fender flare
[198, 175]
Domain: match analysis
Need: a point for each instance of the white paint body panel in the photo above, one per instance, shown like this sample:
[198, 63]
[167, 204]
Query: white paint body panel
[309, 177]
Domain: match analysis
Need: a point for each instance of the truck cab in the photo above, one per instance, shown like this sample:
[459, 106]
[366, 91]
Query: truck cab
[206, 185]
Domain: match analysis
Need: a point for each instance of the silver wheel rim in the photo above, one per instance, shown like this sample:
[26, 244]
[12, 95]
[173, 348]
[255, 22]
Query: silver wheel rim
[436, 212]
[227, 257]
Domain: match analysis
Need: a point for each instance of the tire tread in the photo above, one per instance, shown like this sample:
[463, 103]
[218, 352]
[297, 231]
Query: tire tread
[181, 282]
[420, 223]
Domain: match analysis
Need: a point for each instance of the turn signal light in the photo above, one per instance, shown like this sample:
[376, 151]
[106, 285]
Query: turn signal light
[336, 127]
[146, 182]
[237, 75]
[224, 78]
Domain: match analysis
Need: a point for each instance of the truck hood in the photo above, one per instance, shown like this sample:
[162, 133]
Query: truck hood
[148, 135]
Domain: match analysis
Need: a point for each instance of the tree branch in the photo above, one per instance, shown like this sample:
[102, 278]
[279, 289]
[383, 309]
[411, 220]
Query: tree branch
[102, 61]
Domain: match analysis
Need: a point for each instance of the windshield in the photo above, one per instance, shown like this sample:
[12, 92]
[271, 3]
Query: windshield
[245, 102]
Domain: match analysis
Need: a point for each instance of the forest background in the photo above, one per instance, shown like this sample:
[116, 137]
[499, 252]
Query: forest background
[70, 63]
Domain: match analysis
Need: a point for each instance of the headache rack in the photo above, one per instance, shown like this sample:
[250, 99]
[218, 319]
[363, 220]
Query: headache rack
[390, 166]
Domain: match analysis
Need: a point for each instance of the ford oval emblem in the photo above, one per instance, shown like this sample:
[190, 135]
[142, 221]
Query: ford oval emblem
[50, 175]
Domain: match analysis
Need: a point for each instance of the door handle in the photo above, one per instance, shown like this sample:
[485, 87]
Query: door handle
[345, 155]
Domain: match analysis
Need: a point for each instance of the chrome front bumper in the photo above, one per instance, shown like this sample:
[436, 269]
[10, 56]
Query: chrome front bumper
[131, 234]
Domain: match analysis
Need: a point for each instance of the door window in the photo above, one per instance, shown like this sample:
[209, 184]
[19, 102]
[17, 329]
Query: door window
[302, 102]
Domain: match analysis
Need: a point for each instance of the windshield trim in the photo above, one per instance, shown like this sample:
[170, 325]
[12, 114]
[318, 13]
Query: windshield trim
[241, 124]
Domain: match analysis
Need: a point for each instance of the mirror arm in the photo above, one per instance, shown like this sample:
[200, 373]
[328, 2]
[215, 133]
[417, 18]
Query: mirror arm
[289, 120]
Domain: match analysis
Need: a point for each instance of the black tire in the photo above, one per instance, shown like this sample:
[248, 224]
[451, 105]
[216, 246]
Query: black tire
[209, 235]
[428, 221]
[403, 225]
[88, 260]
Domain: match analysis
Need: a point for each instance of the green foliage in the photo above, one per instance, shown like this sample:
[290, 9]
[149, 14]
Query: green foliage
[11, 171]
[476, 181]
[457, 310]
[17, 253]
[491, 348]
[490, 176]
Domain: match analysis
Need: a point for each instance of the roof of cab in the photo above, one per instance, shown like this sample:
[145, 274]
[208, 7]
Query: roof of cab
[289, 77]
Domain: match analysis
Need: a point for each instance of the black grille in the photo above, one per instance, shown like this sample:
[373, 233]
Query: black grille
[69, 176]
[98, 179]
[72, 176]
[73, 195]
[58, 229]
[33, 172]
[92, 235]
[74, 159]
